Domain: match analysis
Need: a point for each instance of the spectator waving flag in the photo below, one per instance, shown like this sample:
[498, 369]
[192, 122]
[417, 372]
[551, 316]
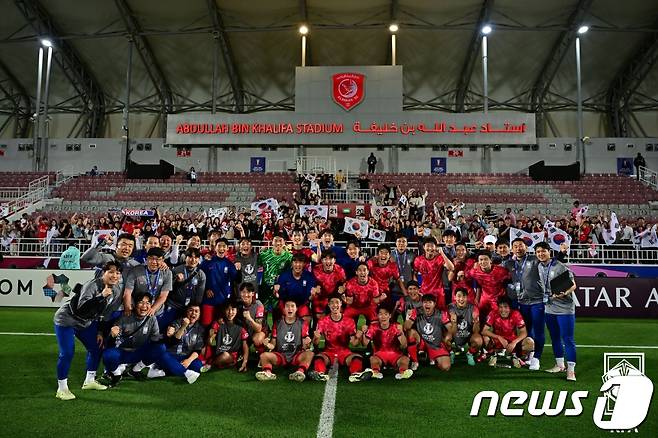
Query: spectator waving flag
[649, 238]
[217, 212]
[614, 223]
[261, 207]
[377, 211]
[548, 225]
[557, 237]
[313, 211]
[530, 239]
[353, 226]
[378, 235]
[98, 234]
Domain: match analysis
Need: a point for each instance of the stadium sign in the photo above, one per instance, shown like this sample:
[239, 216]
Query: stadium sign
[351, 129]
[39, 287]
[616, 297]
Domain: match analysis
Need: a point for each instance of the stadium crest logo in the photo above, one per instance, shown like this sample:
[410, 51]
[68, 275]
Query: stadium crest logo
[348, 89]
[627, 392]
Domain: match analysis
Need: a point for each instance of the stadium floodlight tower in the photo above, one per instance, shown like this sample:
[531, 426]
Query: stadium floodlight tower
[486, 30]
[393, 28]
[41, 157]
[303, 30]
[580, 147]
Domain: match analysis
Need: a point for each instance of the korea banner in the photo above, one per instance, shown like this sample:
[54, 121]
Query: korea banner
[530, 239]
[217, 212]
[137, 212]
[353, 226]
[269, 204]
[557, 237]
[98, 234]
[313, 211]
[377, 211]
[378, 235]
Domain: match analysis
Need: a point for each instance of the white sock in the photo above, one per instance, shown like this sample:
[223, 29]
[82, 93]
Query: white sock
[559, 362]
[91, 376]
[63, 385]
[571, 366]
[139, 366]
[531, 356]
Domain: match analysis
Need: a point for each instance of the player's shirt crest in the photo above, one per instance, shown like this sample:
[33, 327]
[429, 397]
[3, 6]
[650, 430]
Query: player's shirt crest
[227, 339]
[289, 337]
[428, 329]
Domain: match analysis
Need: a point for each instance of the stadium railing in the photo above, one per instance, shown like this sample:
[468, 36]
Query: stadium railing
[352, 195]
[599, 254]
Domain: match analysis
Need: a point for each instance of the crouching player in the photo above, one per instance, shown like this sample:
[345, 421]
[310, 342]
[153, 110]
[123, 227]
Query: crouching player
[388, 341]
[136, 339]
[253, 313]
[506, 332]
[465, 319]
[230, 339]
[339, 333]
[289, 345]
[430, 330]
[185, 337]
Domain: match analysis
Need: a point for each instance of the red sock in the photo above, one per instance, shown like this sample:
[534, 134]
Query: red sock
[403, 369]
[356, 365]
[375, 368]
[302, 368]
[319, 365]
[267, 367]
[412, 349]
[472, 350]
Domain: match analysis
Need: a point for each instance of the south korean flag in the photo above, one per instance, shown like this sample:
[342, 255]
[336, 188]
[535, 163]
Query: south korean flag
[556, 237]
[313, 211]
[354, 226]
[266, 205]
[98, 234]
[378, 210]
[377, 235]
[530, 239]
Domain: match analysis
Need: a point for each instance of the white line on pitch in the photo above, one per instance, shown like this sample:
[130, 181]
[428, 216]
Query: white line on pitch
[651, 347]
[26, 334]
[326, 424]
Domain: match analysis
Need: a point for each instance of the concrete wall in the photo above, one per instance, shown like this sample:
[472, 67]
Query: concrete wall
[107, 155]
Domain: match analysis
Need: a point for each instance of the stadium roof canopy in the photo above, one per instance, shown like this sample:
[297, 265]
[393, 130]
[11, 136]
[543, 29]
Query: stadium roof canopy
[531, 54]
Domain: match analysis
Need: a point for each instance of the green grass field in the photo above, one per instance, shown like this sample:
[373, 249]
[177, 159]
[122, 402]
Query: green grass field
[226, 403]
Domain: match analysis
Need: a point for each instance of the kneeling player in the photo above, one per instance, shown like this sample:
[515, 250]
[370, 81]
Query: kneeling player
[465, 319]
[505, 331]
[231, 339]
[430, 330]
[339, 333]
[288, 345]
[185, 337]
[388, 341]
[253, 313]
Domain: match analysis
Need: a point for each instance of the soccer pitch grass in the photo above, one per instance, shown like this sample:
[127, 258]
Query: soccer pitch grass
[226, 403]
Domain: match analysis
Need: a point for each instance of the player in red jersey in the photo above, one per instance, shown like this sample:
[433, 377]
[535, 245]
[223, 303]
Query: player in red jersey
[429, 330]
[362, 295]
[506, 332]
[384, 270]
[388, 341]
[463, 261]
[339, 333]
[331, 278]
[299, 248]
[492, 281]
[288, 345]
[430, 266]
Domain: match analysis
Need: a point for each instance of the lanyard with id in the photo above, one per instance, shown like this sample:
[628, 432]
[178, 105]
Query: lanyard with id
[548, 280]
[189, 286]
[401, 265]
[153, 288]
[519, 274]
